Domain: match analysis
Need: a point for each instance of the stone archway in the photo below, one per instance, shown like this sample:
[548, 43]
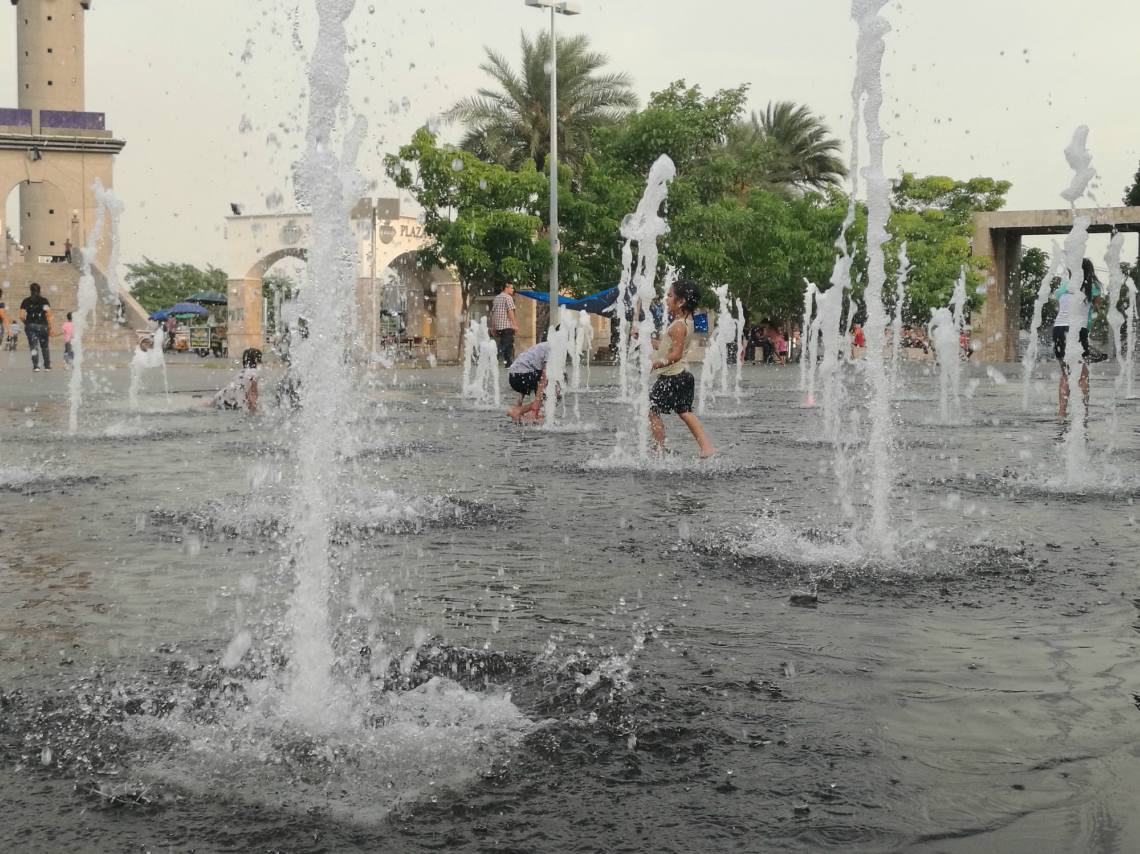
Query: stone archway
[255, 243]
[997, 240]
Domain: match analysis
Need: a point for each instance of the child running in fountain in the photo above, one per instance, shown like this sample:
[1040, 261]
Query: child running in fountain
[673, 391]
[527, 375]
[242, 392]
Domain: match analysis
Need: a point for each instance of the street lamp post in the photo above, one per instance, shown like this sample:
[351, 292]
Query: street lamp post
[561, 7]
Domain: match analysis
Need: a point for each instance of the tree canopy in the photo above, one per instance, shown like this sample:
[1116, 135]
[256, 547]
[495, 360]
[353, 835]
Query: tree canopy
[511, 124]
[160, 285]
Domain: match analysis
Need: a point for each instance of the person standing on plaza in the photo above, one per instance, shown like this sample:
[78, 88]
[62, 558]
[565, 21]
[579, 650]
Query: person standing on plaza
[35, 314]
[504, 325]
[3, 322]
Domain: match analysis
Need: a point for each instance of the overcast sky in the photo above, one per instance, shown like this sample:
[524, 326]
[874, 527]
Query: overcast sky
[209, 94]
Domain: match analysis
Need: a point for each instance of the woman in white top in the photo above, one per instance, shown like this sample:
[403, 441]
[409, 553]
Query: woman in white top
[673, 391]
[1074, 309]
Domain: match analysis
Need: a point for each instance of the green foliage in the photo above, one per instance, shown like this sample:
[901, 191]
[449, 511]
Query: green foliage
[934, 215]
[157, 285]
[1132, 191]
[511, 124]
[483, 218]
[1032, 269]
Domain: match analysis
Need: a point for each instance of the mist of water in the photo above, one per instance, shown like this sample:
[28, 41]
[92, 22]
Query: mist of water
[714, 369]
[86, 299]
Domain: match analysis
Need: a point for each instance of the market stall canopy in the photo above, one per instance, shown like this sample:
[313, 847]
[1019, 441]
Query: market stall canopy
[208, 298]
[184, 308]
[594, 303]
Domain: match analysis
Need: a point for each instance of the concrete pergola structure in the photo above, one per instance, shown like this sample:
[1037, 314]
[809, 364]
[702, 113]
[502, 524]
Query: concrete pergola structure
[997, 239]
[386, 241]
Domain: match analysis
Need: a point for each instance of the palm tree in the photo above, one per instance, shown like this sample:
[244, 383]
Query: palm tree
[511, 124]
[804, 154]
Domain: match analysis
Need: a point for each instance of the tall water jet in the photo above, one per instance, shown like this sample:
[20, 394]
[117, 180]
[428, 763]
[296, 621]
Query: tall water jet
[1116, 317]
[1075, 445]
[1128, 351]
[739, 350]
[645, 226]
[1044, 292]
[867, 102]
[807, 345]
[559, 338]
[480, 365]
[944, 335]
[86, 298]
[329, 187]
[583, 344]
[900, 305]
[621, 310]
[146, 357]
[714, 369]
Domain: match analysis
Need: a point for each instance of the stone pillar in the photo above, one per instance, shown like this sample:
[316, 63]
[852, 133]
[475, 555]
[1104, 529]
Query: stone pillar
[602, 333]
[526, 313]
[415, 322]
[996, 328]
[448, 318]
[243, 316]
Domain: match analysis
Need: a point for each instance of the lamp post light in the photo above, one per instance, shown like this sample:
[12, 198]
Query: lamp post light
[561, 7]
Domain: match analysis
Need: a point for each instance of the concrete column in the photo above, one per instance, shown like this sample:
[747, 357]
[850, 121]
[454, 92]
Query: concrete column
[448, 317]
[416, 320]
[526, 313]
[243, 316]
[991, 327]
[601, 324]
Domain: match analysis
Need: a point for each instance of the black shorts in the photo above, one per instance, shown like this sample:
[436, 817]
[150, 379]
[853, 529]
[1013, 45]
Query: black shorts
[1061, 335]
[672, 394]
[526, 383]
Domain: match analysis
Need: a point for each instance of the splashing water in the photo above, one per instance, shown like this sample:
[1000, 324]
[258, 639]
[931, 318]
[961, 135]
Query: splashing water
[900, 305]
[330, 186]
[1116, 318]
[556, 372]
[1044, 291]
[714, 370]
[87, 296]
[809, 335]
[946, 327]
[1075, 445]
[739, 350]
[1128, 351]
[644, 227]
[145, 360]
[621, 307]
[581, 346]
[480, 365]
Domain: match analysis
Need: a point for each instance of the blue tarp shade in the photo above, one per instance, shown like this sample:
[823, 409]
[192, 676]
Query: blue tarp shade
[594, 303]
[700, 323]
[187, 308]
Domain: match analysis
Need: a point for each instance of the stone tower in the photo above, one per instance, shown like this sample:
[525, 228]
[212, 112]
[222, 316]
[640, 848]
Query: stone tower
[50, 146]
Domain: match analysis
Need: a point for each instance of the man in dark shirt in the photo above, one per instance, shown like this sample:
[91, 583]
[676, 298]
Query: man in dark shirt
[35, 314]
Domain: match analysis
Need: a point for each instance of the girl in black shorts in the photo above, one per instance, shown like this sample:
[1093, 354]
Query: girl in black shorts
[673, 391]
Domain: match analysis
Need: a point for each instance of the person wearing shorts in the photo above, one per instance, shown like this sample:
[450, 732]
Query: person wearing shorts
[673, 390]
[527, 376]
[1074, 309]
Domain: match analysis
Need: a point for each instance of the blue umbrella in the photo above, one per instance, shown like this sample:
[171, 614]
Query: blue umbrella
[161, 314]
[187, 308]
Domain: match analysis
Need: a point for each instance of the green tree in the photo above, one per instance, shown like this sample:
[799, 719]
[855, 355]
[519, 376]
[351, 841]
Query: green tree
[1031, 269]
[481, 217]
[934, 215]
[156, 285]
[803, 154]
[511, 124]
[1132, 191]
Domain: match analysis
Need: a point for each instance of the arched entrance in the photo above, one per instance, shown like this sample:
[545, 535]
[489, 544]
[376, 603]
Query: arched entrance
[393, 297]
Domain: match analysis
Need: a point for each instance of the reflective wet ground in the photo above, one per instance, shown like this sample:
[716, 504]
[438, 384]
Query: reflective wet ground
[559, 651]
